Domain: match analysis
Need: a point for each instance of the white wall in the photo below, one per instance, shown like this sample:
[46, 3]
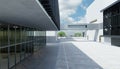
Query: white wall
[93, 11]
[94, 35]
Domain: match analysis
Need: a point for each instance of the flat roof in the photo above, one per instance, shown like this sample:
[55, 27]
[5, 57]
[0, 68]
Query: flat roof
[110, 5]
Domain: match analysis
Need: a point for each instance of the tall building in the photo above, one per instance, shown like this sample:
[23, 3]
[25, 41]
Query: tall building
[23, 26]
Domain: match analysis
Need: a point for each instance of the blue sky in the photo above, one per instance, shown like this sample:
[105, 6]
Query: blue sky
[80, 11]
[72, 11]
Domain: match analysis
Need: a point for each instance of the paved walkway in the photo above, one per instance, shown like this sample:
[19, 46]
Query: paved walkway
[108, 57]
[73, 55]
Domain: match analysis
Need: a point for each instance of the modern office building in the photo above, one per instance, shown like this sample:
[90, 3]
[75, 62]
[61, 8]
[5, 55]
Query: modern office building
[23, 26]
[111, 23]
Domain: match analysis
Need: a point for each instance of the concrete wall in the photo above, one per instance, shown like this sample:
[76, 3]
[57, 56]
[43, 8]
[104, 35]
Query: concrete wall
[95, 31]
[94, 35]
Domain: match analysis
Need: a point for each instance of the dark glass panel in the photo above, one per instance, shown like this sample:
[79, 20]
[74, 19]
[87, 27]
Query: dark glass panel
[18, 34]
[22, 51]
[12, 34]
[12, 56]
[3, 58]
[28, 49]
[18, 51]
[3, 35]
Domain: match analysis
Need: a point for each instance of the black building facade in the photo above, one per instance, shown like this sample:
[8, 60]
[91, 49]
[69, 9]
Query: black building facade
[52, 8]
[111, 24]
[23, 26]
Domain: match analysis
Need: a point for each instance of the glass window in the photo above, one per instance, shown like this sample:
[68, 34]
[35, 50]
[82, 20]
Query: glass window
[12, 56]
[3, 35]
[13, 50]
[18, 51]
[3, 42]
[3, 58]
[18, 34]
[22, 51]
[12, 34]
[27, 49]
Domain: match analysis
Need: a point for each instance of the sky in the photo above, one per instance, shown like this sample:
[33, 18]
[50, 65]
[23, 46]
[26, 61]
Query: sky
[73, 11]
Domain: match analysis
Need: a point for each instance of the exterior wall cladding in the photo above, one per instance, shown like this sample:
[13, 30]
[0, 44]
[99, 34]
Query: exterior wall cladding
[52, 8]
[111, 23]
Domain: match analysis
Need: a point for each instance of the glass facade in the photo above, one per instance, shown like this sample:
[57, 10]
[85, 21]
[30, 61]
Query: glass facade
[111, 24]
[51, 7]
[111, 19]
[17, 43]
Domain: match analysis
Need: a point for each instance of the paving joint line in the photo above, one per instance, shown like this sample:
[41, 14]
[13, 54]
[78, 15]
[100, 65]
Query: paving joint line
[65, 56]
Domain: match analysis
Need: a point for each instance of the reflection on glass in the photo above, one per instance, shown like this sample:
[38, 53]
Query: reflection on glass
[42, 38]
[22, 51]
[28, 49]
[23, 41]
[12, 56]
[3, 35]
[4, 58]
[12, 35]
[17, 53]
[18, 35]
[35, 45]
[23, 35]
[31, 47]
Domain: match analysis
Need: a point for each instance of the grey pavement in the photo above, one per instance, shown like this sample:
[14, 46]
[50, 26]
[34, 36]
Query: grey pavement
[63, 55]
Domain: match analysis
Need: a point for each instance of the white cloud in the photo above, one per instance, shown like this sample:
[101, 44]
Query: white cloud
[80, 20]
[83, 7]
[68, 8]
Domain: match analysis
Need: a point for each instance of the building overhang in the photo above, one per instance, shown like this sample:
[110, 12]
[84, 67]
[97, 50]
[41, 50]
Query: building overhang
[28, 13]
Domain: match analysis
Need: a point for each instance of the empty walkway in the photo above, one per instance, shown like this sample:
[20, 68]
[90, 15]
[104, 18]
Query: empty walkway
[70, 55]
[74, 55]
